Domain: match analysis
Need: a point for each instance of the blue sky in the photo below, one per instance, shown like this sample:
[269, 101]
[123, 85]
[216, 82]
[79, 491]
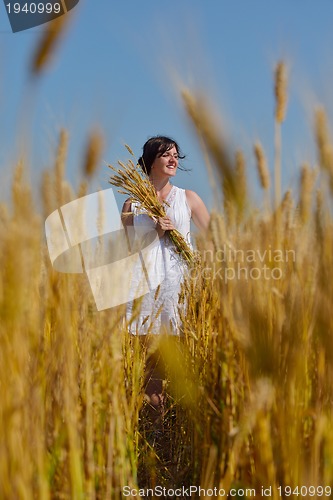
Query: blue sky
[117, 65]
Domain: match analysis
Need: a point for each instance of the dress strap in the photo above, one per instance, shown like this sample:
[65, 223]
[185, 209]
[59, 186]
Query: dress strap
[171, 196]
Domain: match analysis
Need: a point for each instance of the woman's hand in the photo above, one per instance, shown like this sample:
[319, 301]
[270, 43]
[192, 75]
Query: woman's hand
[164, 224]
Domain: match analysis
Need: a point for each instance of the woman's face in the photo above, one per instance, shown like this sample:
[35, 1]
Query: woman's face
[166, 164]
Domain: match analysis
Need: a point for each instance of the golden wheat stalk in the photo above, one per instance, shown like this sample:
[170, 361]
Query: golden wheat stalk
[262, 165]
[306, 185]
[93, 153]
[207, 129]
[324, 145]
[45, 48]
[263, 172]
[134, 182]
[280, 90]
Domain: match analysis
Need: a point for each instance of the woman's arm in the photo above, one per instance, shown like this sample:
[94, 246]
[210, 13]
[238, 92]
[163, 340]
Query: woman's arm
[200, 214]
[126, 215]
[127, 220]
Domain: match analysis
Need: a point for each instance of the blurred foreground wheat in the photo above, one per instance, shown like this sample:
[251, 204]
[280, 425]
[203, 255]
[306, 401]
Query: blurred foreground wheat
[249, 385]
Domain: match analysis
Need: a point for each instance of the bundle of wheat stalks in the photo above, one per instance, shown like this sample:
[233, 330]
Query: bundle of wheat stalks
[134, 182]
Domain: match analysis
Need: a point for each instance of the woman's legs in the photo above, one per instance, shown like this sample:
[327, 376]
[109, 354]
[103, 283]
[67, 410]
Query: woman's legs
[154, 383]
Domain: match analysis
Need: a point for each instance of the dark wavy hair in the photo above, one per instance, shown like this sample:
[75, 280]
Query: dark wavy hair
[154, 148]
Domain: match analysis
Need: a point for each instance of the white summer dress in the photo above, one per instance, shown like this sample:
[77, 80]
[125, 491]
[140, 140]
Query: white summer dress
[158, 310]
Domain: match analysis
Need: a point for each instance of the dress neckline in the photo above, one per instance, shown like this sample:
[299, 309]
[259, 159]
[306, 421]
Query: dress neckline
[167, 199]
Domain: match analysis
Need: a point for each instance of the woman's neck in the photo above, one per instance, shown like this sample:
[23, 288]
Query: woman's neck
[161, 185]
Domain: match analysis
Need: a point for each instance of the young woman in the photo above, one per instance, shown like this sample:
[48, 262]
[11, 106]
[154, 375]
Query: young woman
[158, 310]
[159, 307]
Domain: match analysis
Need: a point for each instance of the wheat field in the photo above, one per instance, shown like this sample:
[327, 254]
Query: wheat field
[249, 385]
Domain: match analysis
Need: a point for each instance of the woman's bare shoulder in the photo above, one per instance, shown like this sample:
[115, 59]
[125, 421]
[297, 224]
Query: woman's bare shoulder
[192, 197]
[199, 210]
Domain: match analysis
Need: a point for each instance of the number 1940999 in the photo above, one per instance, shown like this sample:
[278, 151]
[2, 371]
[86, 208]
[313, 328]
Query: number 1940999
[33, 8]
[305, 491]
